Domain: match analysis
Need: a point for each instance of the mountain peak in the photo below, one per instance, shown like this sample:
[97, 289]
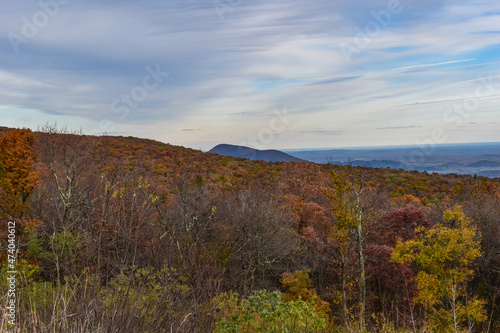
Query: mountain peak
[270, 155]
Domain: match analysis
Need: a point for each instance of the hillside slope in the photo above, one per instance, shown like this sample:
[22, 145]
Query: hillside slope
[113, 218]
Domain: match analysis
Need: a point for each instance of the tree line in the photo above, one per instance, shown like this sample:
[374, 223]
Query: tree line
[132, 235]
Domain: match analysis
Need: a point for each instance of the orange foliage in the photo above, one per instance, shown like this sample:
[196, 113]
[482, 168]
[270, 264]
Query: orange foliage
[17, 179]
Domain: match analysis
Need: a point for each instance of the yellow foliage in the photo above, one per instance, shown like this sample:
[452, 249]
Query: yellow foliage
[444, 256]
[299, 287]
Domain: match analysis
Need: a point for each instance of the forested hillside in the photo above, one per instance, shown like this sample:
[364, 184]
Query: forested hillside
[119, 234]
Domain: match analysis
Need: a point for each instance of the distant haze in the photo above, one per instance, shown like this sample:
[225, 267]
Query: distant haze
[482, 159]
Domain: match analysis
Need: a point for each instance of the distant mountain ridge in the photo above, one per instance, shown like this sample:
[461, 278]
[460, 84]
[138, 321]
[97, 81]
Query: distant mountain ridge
[480, 158]
[270, 155]
[484, 163]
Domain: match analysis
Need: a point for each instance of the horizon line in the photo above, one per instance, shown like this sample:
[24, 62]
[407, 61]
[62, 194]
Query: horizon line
[391, 146]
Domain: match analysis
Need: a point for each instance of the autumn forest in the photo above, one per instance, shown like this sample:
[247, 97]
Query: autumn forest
[120, 234]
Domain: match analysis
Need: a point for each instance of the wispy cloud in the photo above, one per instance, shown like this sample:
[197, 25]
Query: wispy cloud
[321, 132]
[436, 64]
[397, 127]
[263, 56]
[336, 80]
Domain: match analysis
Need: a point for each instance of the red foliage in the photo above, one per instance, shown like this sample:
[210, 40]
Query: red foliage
[313, 219]
[398, 224]
[392, 277]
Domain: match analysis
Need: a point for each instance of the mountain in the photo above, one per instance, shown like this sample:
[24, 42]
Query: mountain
[376, 163]
[270, 155]
[484, 163]
[460, 158]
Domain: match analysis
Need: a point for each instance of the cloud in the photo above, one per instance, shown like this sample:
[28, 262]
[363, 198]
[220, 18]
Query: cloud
[336, 80]
[322, 132]
[436, 64]
[397, 127]
[262, 56]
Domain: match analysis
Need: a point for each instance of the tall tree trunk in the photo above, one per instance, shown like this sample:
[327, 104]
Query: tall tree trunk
[362, 277]
[345, 311]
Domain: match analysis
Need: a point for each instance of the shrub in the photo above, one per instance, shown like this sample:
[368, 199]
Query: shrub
[266, 311]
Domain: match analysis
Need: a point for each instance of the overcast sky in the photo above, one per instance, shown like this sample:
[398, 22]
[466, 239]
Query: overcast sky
[270, 74]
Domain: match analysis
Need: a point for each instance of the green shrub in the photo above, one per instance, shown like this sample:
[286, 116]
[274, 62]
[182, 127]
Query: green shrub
[266, 311]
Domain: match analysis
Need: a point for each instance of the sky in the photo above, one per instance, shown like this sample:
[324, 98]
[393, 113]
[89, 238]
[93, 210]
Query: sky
[267, 74]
